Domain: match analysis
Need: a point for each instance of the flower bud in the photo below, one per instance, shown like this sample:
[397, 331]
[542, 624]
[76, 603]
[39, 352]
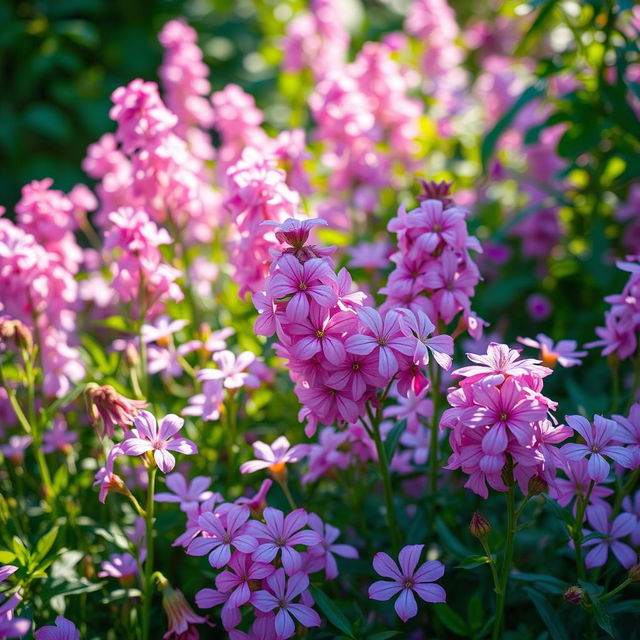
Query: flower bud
[24, 339]
[536, 485]
[479, 526]
[634, 572]
[131, 355]
[436, 191]
[104, 404]
[181, 618]
[574, 595]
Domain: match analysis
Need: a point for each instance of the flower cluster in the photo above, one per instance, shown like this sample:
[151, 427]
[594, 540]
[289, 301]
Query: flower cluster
[434, 271]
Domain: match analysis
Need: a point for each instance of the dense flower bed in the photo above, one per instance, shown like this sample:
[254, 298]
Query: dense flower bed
[302, 427]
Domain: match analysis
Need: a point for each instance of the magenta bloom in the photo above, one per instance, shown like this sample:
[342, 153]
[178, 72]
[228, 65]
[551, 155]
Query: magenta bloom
[275, 456]
[564, 352]
[280, 596]
[221, 537]
[188, 496]
[622, 526]
[326, 549]
[281, 534]
[63, 630]
[598, 439]
[305, 283]
[407, 580]
[384, 338]
[417, 324]
[148, 437]
[243, 569]
[355, 373]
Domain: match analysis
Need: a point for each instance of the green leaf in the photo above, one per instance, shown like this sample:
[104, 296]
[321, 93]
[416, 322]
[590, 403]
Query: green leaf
[600, 615]
[21, 551]
[58, 587]
[475, 612]
[384, 635]
[552, 621]
[542, 581]
[451, 619]
[536, 29]
[471, 562]
[491, 139]
[449, 541]
[331, 611]
[68, 398]
[7, 557]
[45, 543]
[393, 438]
[626, 606]
[559, 512]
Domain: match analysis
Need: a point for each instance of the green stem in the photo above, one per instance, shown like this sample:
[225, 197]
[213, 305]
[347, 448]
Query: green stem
[498, 623]
[613, 592]
[285, 489]
[433, 445]
[383, 465]
[492, 564]
[148, 563]
[577, 531]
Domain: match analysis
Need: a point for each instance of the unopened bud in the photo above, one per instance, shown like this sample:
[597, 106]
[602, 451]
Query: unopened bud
[131, 355]
[536, 486]
[634, 572]
[479, 526]
[574, 595]
[436, 191]
[105, 405]
[7, 331]
[24, 339]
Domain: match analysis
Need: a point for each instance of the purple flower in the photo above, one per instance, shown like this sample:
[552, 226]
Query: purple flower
[119, 566]
[629, 433]
[407, 580]
[274, 457]
[10, 626]
[148, 437]
[243, 569]
[564, 352]
[622, 526]
[188, 496]
[282, 534]
[281, 596]
[328, 535]
[598, 437]
[224, 531]
[632, 506]
[64, 630]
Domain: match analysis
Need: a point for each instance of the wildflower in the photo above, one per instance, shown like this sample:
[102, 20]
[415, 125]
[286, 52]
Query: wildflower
[232, 370]
[629, 433]
[274, 457]
[223, 531]
[187, 495]
[598, 438]
[242, 570]
[417, 324]
[565, 490]
[105, 405]
[326, 549]
[58, 438]
[281, 595]
[63, 630]
[407, 580]
[258, 503]
[15, 448]
[621, 527]
[147, 436]
[107, 479]
[282, 534]
[181, 619]
[119, 566]
[564, 352]
[479, 526]
[10, 626]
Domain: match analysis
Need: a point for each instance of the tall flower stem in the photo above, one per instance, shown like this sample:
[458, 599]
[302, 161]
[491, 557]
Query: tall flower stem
[383, 465]
[506, 564]
[148, 563]
[435, 426]
[576, 533]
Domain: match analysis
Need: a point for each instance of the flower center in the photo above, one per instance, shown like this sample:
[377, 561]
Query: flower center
[355, 366]
[408, 583]
[302, 286]
[319, 333]
[281, 542]
[382, 341]
[437, 228]
[503, 416]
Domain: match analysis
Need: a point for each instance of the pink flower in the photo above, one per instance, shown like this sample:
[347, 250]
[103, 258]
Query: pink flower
[356, 374]
[58, 438]
[369, 255]
[326, 549]
[119, 566]
[147, 436]
[223, 530]
[237, 580]
[281, 595]
[621, 527]
[274, 457]
[188, 496]
[598, 438]
[281, 535]
[411, 408]
[232, 371]
[384, 337]
[304, 283]
[15, 448]
[325, 456]
[416, 324]
[104, 404]
[407, 580]
[63, 630]
[631, 504]
[564, 491]
[564, 352]
[181, 619]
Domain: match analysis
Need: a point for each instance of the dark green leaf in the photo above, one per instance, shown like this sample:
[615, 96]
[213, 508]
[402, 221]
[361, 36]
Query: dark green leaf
[475, 612]
[542, 581]
[45, 543]
[537, 28]
[552, 621]
[449, 541]
[451, 619]
[331, 611]
[383, 635]
[471, 562]
[602, 618]
[393, 438]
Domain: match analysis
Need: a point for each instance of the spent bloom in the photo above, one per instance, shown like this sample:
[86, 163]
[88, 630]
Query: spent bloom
[563, 352]
[407, 579]
[181, 619]
[107, 407]
[148, 436]
[63, 630]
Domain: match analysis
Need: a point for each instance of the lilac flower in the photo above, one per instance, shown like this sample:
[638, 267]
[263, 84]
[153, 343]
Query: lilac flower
[281, 596]
[119, 566]
[148, 437]
[15, 448]
[407, 580]
[622, 526]
[224, 531]
[187, 496]
[632, 506]
[232, 371]
[564, 352]
[281, 534]
[63, 630]
[328, 535]
[58, 438]
[207, 598]
[598, 437]
[274, 457]
[10, 626]
[243, 569]
[629, 433]
[564, 491]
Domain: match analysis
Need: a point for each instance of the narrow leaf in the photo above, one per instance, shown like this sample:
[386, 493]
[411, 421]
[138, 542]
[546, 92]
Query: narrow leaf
[331, 611]
[393, 438]
[451, 620]
[552, 621]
